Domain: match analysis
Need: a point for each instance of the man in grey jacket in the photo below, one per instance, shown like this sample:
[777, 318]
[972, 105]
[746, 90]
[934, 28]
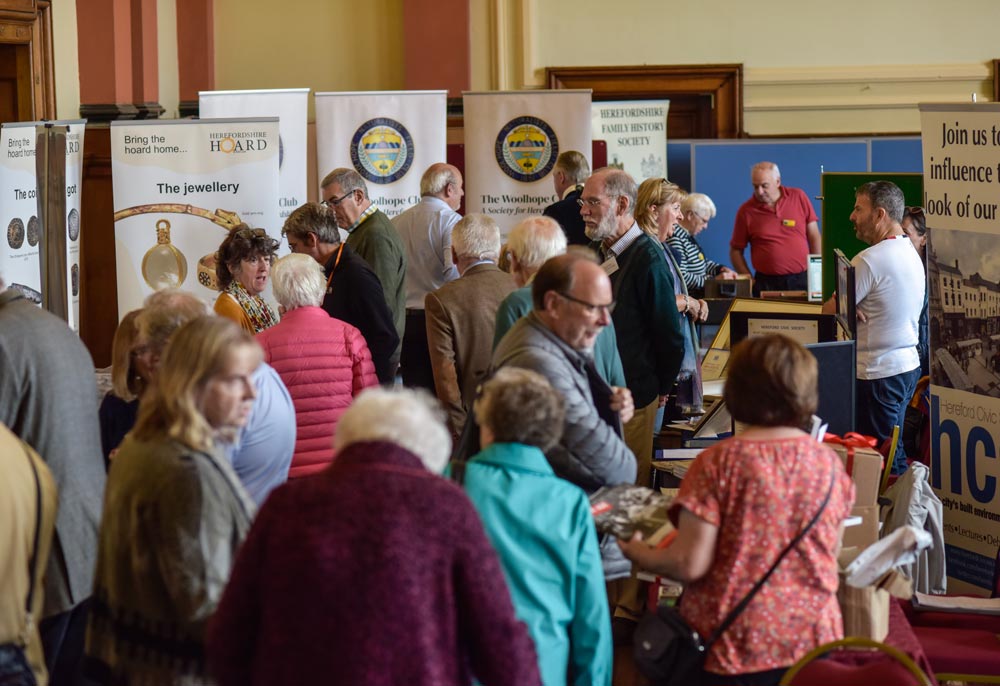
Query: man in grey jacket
[571, 296]
[48, 397]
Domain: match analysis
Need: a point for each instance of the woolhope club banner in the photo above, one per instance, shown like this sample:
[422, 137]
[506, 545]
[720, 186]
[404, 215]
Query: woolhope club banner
[389, 137]
[961, 148]
[291, 107]
[636, 135]
[512, 140]
[19, 253]
[179, 187]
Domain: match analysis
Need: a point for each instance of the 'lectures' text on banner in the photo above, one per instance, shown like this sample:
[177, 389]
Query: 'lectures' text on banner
[961, 149]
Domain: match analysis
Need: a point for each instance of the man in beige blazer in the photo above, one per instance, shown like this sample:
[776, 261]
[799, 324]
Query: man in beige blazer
[461, 316]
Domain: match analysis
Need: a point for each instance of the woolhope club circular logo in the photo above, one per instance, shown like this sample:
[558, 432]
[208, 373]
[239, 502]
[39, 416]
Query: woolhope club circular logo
[526, 149]
[382, 150]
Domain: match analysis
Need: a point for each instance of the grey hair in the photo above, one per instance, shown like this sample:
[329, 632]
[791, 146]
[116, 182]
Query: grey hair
[313, 217]
[700, 204]
[406, 417]
[620, 184]
[535, 240]
[298, 281]
[165, 311]
[767, 166]
[476, 235]
[520, 406]
[574, 165]
[887, 195]
[436, 179]
[348, 180]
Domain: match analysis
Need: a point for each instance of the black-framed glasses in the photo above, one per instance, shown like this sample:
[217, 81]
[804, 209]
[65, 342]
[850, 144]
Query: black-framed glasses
[335, 202]
[592, 308]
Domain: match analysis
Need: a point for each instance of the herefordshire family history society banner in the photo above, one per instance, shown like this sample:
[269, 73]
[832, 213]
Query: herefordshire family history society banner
[291, 107]
[961, 148]
[179, 186]
[19, 253]
[636, 135]
[512, 140]
[389, 137]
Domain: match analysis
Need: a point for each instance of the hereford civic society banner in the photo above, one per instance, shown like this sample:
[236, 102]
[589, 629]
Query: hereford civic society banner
[512, 140]
[291, 107]
[19, 254]
[389, 137]
[961, 148]
[636, 135]
[179, 186]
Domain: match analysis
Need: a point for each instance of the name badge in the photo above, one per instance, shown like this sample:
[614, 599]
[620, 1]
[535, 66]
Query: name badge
[610, 266]
[788, 222]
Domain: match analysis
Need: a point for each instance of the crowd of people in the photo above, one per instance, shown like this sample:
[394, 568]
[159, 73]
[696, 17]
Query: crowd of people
[385, 478]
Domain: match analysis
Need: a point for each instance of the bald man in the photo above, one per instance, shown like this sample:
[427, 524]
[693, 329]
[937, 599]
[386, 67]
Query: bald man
[425, 230]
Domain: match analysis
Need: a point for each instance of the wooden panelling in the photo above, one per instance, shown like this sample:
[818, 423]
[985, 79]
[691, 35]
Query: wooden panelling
[99, 289]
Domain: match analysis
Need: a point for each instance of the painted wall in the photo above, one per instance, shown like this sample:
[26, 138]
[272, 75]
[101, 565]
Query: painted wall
[166, 58]
[67, 62]
[325, 45]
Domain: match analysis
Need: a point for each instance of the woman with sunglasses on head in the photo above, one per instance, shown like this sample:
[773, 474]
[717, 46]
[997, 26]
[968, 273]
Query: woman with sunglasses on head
[914, 225]
[243, 266]
[697, 210]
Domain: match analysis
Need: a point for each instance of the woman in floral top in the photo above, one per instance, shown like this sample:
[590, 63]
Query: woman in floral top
[741, 503]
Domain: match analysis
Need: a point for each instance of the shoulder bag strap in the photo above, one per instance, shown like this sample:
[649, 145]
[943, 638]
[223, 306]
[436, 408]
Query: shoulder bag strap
[735, 612]
[29, 619]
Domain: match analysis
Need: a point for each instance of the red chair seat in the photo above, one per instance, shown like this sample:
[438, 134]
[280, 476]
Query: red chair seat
[879, 670]
[960, 651]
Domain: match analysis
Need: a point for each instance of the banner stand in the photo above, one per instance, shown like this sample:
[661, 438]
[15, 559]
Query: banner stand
[50, 166]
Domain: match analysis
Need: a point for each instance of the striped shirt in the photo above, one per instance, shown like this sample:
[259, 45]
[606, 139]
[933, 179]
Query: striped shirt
[695, 267]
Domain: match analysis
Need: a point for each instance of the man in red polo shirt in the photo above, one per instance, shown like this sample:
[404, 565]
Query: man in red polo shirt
[780, 225]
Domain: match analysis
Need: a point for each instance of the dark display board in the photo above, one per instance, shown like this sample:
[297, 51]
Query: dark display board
[838, 203]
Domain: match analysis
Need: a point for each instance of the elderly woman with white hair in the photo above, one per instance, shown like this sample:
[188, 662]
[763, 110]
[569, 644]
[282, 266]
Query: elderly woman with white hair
[324, 362]
[376, 571]
[696, 211]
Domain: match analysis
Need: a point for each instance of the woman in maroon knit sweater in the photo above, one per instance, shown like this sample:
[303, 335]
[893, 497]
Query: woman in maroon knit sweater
[375, 571]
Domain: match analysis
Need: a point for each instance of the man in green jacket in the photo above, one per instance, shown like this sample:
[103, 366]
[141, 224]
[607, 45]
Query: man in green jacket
[372, 236]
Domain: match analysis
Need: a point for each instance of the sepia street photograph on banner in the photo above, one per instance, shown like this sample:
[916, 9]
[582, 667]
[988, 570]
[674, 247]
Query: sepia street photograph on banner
[964, 310]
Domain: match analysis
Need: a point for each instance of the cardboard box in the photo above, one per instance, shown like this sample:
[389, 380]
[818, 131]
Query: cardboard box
[865, 611]
[865, 469]
[862, 535]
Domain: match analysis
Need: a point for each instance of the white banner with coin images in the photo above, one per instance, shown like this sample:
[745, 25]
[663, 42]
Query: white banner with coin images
[19, 254]
[291, 107]
[179, 187]
[512, 140]
[389, 137]
[636, 134]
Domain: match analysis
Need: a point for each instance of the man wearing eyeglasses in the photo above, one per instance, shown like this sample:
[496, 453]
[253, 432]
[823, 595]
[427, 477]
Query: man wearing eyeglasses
[572, 303]
[647, 324]
[372, 236]
[425, 230]
[779, 223]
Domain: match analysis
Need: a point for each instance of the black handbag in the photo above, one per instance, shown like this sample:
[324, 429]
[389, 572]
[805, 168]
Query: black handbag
[670, 652]
[14, 667]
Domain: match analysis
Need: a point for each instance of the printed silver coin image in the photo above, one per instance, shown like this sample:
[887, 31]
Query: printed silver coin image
[73, 224]
[34, 231]
[74, 275]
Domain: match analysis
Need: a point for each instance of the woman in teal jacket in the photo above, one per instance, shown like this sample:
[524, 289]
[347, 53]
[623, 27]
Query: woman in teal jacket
[542, 529]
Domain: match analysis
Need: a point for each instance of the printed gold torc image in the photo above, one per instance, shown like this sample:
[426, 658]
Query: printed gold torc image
[164, 265]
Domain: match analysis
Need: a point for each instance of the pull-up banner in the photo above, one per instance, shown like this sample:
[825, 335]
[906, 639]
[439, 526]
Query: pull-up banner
[389, 137]
[20, 253]
[636, 134]
[291, 107]
[179, 187]
[961, 149]
[512, 140]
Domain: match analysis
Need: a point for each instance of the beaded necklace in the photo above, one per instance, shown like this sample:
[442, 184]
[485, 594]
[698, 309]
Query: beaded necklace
[261, 315]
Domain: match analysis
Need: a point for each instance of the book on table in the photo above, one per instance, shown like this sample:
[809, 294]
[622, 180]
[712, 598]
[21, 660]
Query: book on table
[623, 510]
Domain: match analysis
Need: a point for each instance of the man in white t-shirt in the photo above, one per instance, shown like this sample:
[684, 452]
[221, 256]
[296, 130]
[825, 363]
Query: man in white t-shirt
[889, 291]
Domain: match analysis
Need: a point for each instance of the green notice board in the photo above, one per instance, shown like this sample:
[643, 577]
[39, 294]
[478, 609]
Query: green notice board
[838, 203]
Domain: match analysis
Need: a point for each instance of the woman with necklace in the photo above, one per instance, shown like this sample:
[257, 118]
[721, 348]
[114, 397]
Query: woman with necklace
[243, 267]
